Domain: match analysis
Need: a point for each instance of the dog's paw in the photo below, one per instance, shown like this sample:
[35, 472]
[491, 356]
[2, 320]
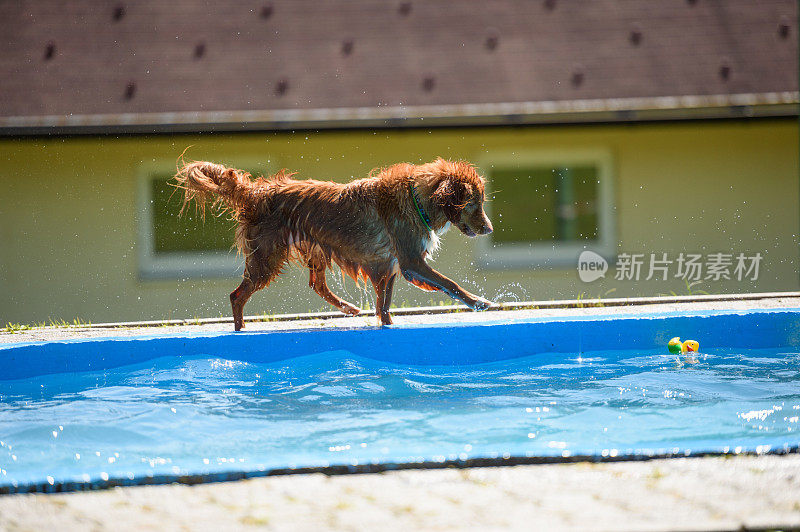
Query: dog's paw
[481, 304]
[350, 310]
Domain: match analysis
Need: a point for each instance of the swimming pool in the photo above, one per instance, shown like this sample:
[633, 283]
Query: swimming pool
[207, 406]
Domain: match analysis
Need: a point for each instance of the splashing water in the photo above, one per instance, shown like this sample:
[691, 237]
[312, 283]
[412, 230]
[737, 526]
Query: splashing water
[511, 292]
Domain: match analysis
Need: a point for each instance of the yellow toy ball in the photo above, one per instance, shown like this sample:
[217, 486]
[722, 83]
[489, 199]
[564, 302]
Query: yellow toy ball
[675, 346]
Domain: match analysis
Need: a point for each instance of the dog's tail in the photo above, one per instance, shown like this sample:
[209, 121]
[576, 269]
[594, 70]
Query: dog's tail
[201, 181]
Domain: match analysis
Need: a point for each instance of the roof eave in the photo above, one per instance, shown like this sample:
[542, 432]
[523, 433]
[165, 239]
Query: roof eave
[722, 106]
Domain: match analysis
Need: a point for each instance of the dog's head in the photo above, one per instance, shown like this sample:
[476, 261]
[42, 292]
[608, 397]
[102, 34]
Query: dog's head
[458, 192]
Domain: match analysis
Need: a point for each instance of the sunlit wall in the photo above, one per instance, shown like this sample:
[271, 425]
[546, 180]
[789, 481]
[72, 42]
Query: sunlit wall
[70, 213]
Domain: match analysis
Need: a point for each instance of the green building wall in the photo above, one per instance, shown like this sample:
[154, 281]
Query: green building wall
[69, 212]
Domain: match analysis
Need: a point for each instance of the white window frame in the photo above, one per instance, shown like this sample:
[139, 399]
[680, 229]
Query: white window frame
[552, 254]
[179, 264]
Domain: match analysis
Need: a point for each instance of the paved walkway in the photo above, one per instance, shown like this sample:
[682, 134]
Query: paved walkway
[732, 493]
[614, 307]
[675, 494]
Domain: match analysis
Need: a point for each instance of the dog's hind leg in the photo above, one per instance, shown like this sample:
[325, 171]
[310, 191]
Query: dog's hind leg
[260, 269]
[317, 281]
[238, 298]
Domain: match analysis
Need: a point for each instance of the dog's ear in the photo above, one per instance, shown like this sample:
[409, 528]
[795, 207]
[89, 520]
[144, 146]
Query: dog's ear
[451, 196]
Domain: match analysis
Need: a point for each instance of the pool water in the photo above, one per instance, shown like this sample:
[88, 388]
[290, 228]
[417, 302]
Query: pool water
[203, 414]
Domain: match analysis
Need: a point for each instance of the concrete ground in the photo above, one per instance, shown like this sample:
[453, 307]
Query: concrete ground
[546, 309]
[713, 493]
[675, 494]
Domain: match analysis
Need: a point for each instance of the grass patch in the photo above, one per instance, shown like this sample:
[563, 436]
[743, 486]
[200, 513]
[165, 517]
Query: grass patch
[16, 327]
[690, 291]
[62, 323]
[58, 324]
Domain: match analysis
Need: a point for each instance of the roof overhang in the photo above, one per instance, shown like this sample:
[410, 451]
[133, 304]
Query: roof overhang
[721, 106]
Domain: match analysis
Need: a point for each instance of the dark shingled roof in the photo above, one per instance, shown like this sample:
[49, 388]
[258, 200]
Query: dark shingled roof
[150, 56]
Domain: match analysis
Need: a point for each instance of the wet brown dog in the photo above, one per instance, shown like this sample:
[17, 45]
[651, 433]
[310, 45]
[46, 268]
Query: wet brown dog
[373, 228]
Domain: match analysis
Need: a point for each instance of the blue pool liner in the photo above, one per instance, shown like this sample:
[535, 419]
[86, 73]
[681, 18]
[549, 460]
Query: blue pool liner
[427, 344]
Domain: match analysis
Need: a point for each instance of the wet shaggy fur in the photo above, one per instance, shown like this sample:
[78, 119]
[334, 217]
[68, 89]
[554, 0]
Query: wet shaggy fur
[371, 227]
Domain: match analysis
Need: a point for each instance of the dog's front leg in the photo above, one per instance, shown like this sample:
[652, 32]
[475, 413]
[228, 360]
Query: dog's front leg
[384, 286]
[419, 273]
